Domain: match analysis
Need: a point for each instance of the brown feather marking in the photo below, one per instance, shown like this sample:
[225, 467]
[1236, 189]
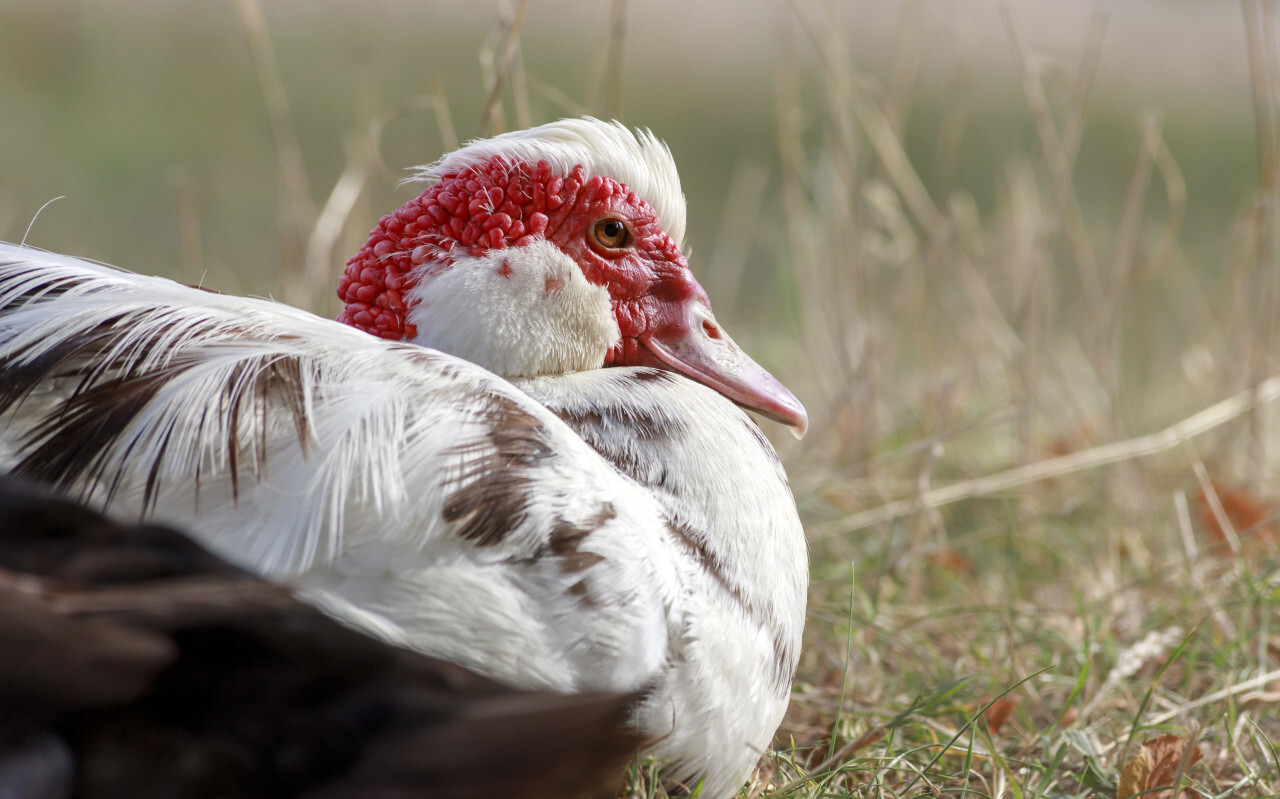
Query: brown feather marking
[283, 379]
[691, 540]
[785, 657]
[495, 483]
[566, 538]
[637, 423]
[634, 438]
[785, 661]
[250, 393]
[440, 365]
[583, 593]
[21, 377]
[74, 440]
[78, 433]
[653, 375]
[42, 292]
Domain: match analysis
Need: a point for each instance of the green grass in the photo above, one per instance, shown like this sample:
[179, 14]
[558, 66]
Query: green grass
[938, 338]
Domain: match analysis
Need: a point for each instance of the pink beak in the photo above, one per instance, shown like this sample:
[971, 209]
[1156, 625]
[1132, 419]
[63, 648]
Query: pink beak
[688, 340]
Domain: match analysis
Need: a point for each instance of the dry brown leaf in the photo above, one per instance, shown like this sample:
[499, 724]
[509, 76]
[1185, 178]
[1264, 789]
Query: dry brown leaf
[998, 713]
[835, 677]
[1156, 765]
[1248, 516]
[1080, 438]
[953, 561]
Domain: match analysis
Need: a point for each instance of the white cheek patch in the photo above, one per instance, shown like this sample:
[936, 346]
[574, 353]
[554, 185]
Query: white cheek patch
[518, 312]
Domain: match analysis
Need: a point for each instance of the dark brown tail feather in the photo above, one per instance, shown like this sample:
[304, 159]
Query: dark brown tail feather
[134, 663]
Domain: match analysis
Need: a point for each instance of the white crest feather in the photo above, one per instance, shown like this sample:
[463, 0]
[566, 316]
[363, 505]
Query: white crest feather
[639, 160]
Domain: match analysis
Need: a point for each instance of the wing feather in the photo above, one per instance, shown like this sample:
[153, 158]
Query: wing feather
[308, 449]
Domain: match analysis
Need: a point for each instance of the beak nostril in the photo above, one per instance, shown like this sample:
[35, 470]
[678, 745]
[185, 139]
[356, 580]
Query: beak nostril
[710, 329]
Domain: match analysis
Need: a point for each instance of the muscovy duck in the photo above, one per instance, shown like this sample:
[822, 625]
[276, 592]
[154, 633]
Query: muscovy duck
[449, 465]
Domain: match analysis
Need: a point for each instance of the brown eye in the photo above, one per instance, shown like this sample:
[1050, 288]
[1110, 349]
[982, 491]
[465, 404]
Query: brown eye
[611, 233]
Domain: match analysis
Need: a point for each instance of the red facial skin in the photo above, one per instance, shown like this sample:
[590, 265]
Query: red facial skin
[645, 279]
[663, 315]
[497, 205]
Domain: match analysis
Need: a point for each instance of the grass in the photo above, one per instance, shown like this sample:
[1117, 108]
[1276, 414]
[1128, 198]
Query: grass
[1015, 527]
[992, 309]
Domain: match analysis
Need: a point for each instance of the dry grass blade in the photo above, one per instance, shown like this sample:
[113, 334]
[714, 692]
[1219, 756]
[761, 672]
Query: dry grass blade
[1219, 514]
[801, 245]
[434, 102]
[954, 112]
[188, 227]
[1195, 568]
[1131, 217]
[613, 77]
[556, 96]
[512, 38]
[905, 68]
[883, 138]
[1260, 37]
[1211, 698]
[736, 233]
[1060, 168]
[1175, 188]
[1082, 86]
[841, 755]
[1141, 447]
[330, 223]
[297, 212]
[444, 119]
[520, 90]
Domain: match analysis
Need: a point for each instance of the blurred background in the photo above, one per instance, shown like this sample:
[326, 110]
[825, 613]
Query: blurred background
[977, 238]
[1043, 210]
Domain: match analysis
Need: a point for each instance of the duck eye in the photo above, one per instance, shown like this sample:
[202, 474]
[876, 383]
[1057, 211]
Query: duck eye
[611, 234]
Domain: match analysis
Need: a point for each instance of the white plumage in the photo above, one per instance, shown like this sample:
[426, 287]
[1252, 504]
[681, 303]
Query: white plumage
[578, 529]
